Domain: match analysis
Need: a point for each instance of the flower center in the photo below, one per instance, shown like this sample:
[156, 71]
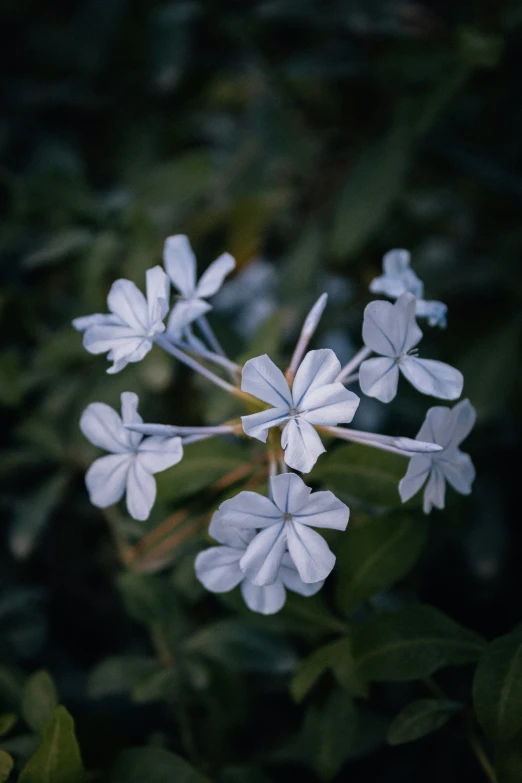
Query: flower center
[287, 517]
[293, 412]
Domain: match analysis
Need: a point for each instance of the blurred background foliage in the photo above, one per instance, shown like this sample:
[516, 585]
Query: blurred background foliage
[306, 138]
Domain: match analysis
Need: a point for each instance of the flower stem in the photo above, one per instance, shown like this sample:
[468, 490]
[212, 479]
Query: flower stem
[353, 364]
[481, 756]
[196, 366]
[222, 361]
[210, 337]
[309, 327]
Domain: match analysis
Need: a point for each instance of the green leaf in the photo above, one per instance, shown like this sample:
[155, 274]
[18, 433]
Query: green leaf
[203, 464]
[59, 247]
[7, 721]
[57, 757]
[143, 596]
[119, 674]
[373, 185]
[497, 687]
[412, 643]
[39, 699]
[174, 185]
[153, 765]
[6, 765]
[329, 733]
[242, 647]
[33, 513]
[361, 475]
[420, 718]
[508, 760]
[335, 657]
[376, 555]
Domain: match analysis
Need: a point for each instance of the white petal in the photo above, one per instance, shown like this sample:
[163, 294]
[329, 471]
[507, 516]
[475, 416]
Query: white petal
[103, 427]
[437, 427]
[130, 415]
[156, 453]
[106, 479]
[249, 509]
[324, 510]
[379, 378]
[389, 286]
[126, 301]
[262, 559]
[141, 491]
[318, 368]
[289, 492]
[435, 491]
[100, 339]
[121, 355]
[458, 471]
[292, 581]
[184, 312]
[408, 329]
[396, 262]
[256, 425]
[329, 405]
[218, 568]
[310, 553]
[211, 281]
[434, 312]
[158, 294]
[463, 418]
[302, 445]
[431, 377]
[265, 600]
[265, 381]
[238, 538]
[417, 473]
[380, 329]
[180, 263]
[98, 319]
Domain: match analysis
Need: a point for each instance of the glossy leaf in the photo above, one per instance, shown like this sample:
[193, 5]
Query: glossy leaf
[335, 657]
[329, 733]
[377, 554]
[412, 643]
[57, 758]
[154, 765]
[420, 718]
[39, 699]
[6, 766]
[497, 687]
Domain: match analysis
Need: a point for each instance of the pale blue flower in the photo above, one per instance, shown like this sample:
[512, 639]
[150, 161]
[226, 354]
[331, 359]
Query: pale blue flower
[285, 520]
[218, 569]
[130, 467]
[180, 264]
[127, 333]
[392, 331]
[315, 399]
[399, 278]
[447, 427]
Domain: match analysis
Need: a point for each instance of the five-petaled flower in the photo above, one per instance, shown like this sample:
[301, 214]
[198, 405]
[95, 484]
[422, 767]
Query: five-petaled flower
[399, 278]
[133, 460]
[284, 521]
[392, 331]
[447, 427]
[127, 333]
[180, 263]
[218, 569]
[315, 399]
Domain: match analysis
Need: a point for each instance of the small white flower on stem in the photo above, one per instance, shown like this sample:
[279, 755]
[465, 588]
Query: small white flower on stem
[399, 278]
[218, 569]
[130, 467]
[315, 399]
[447, 427]
[180, 264]
[285, 520]
[127, 333]
[392, 331]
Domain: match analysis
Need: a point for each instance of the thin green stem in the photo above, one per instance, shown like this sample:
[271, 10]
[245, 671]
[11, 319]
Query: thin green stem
[482, 757]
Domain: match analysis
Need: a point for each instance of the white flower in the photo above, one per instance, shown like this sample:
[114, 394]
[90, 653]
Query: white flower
[285, 522]
[127, 333]
[133, 460]
[180, 263]
[447, 427]
[314, 399]
[219, 571]
[391, 331]
[399, 278]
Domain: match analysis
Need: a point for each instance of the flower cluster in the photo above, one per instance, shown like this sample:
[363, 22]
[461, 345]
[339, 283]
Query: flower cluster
[268, 544]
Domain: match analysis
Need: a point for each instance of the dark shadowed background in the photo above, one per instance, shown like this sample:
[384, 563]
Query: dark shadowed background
[307, 139]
